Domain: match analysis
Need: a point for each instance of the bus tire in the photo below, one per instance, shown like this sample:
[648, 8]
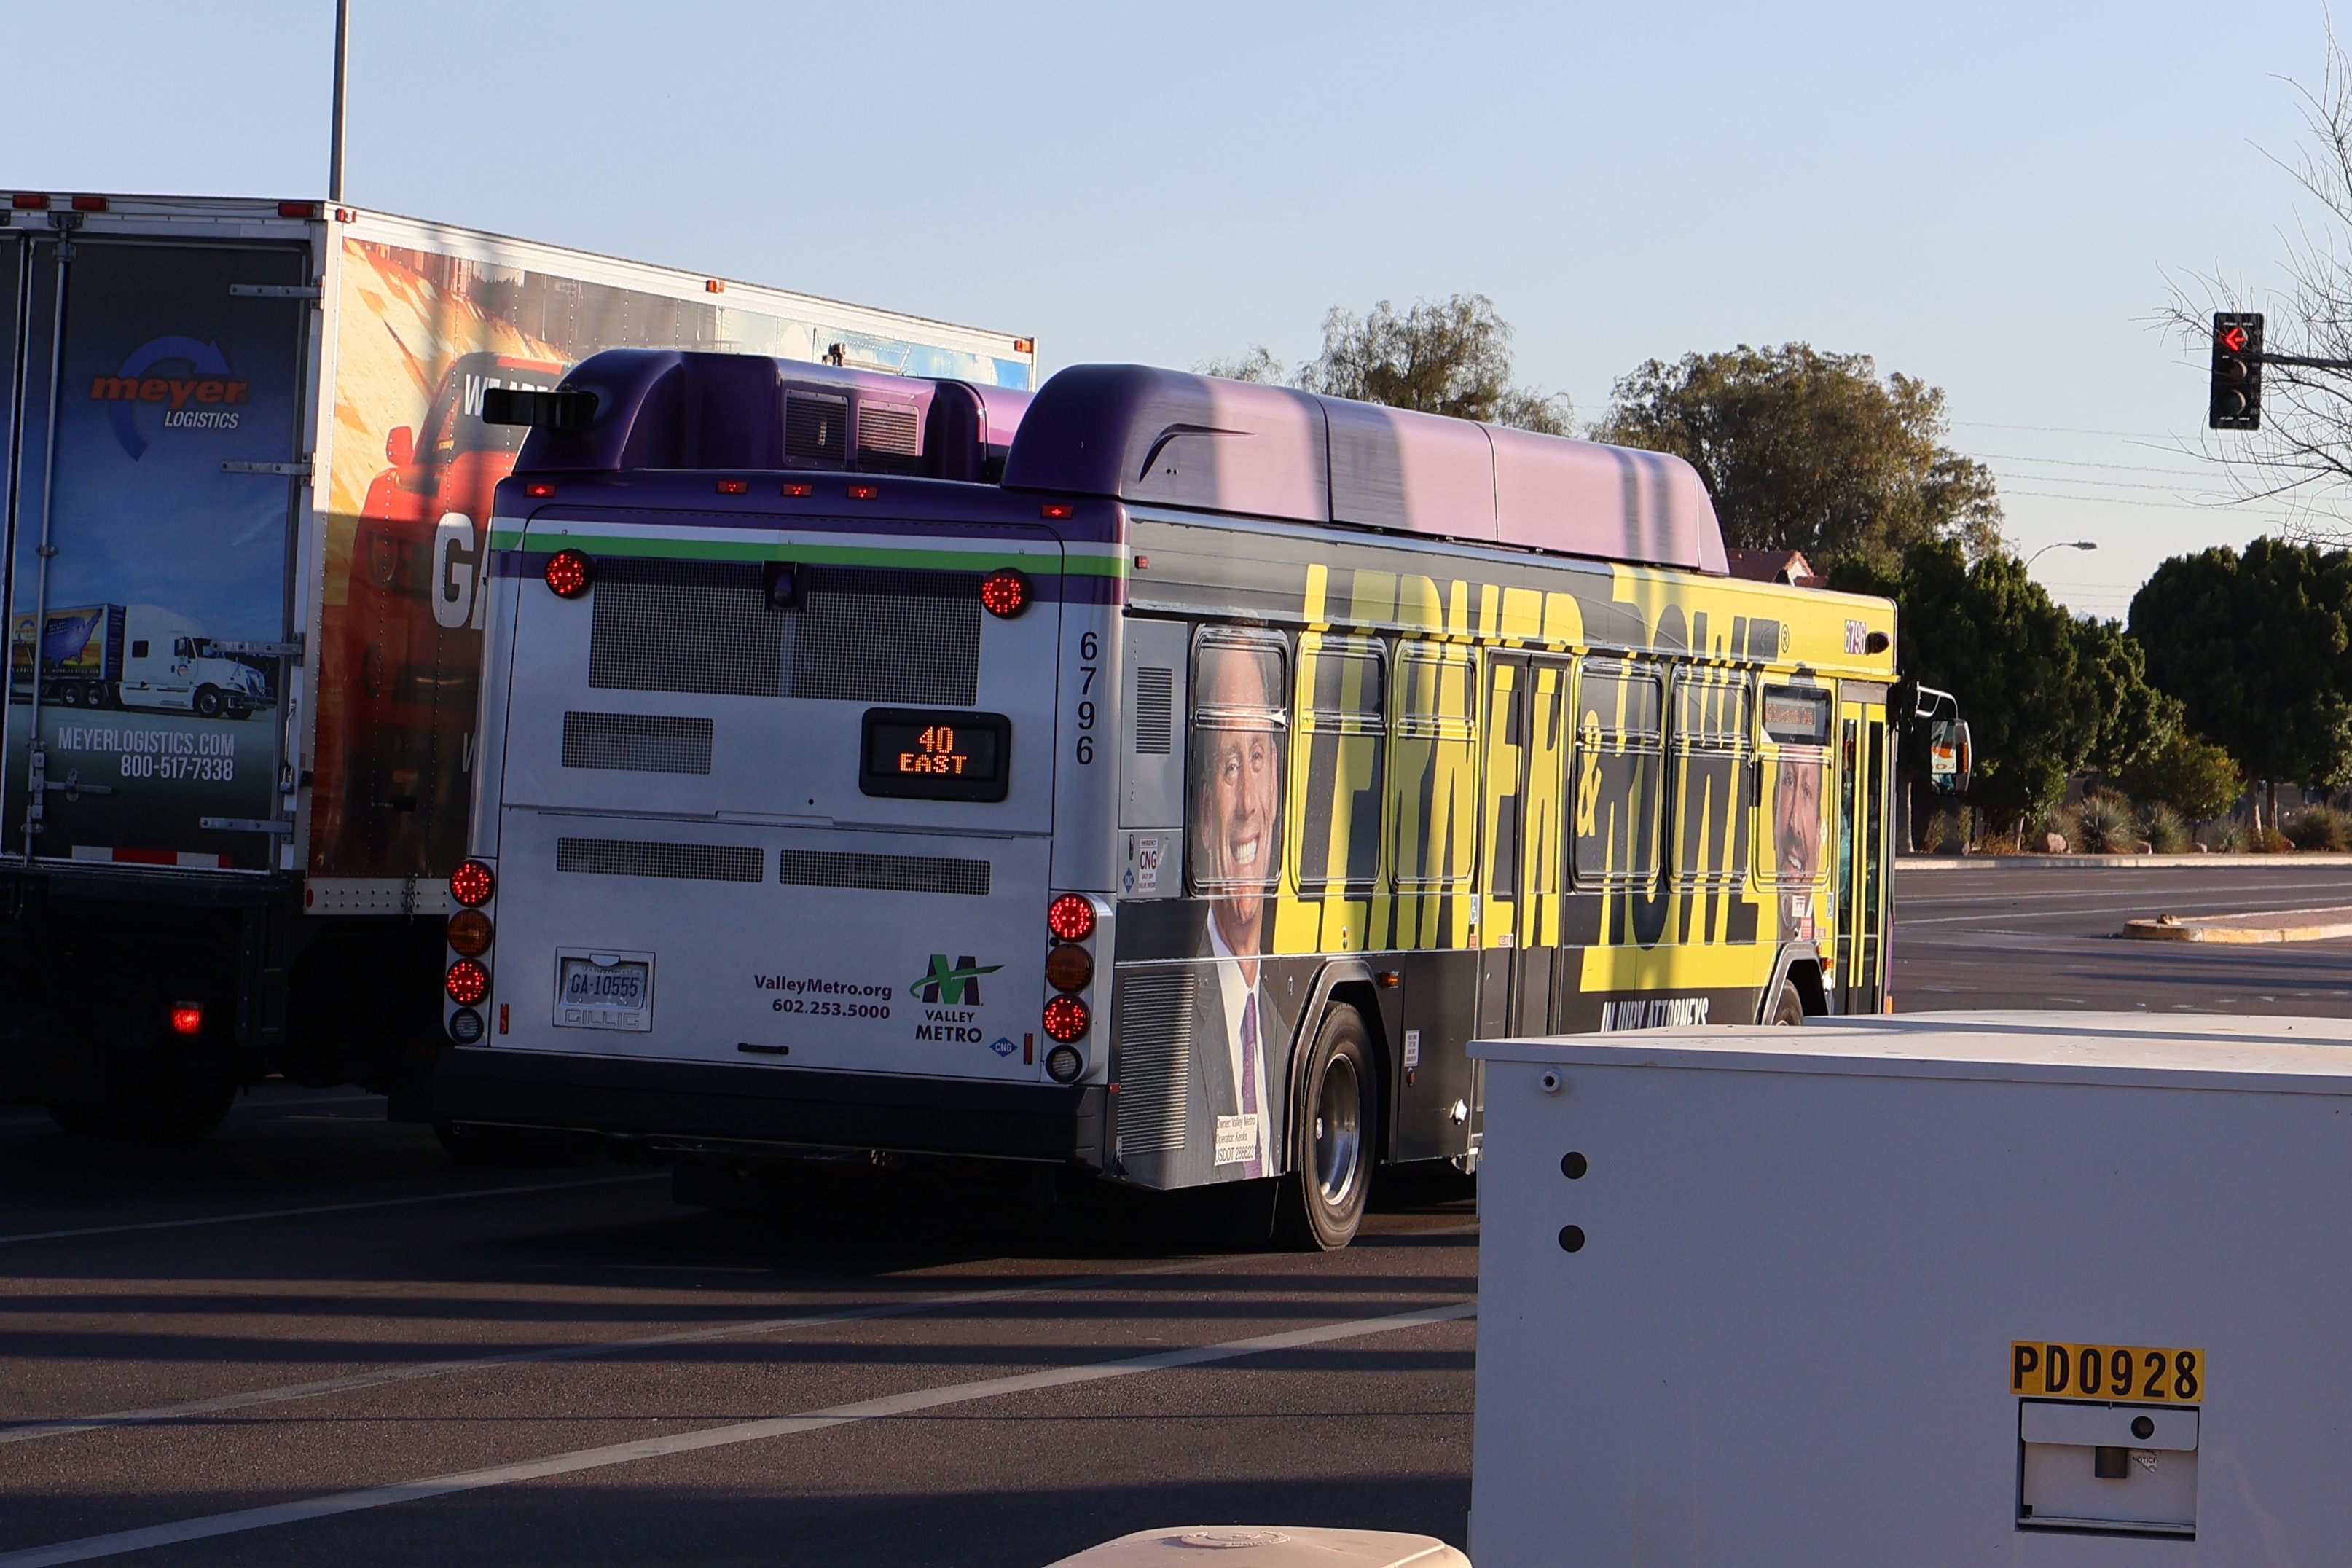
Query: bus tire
[209, 701]
[1789, 1006]
[1332, 1138]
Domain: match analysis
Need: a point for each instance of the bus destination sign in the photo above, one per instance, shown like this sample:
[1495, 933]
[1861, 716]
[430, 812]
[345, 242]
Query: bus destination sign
[936, 755]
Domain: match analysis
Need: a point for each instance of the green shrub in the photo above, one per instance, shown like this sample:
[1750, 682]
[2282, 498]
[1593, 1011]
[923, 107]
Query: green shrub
[2104, 824]
[2319, 827]
[2268, 840]
[2197, 779]
[2163, 827]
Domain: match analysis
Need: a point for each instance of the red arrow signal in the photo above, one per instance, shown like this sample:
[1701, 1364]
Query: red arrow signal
[2233, 338]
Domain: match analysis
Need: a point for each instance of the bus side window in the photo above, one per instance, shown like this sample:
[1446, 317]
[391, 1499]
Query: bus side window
[1343, 741]
[1233, 831]
[1433, 836]
[1796, 725]
[1714, 716]
[1620, 770]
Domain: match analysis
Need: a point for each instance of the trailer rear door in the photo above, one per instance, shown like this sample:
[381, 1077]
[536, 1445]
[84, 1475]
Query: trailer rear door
[159, 433]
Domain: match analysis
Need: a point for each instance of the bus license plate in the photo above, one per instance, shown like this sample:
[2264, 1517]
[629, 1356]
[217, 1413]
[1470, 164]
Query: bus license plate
[604, 991]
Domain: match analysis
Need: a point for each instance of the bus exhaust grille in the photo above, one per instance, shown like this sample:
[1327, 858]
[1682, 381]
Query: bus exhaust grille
[882, 635]
[1155, 711]
[684, 626]
[882, 873]
[1155, 1059]
[636, 742]
[628, 857]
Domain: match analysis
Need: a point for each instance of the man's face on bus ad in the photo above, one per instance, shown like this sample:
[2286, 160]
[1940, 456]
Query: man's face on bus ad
[1238, 797]
[1797, 817]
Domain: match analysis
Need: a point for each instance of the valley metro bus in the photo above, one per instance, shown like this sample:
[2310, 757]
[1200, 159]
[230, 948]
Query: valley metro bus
[1176, 809]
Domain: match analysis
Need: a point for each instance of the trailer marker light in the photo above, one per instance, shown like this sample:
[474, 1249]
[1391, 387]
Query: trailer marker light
[1066, 1064]
[864, 492]
[795, 489]
[1068, 967]
[28, 201]
[1024, 345]
[539, 491]
[1071, 917]
[468, 982]
[1056, 511]
[569, 573]
[471, 884]
[1065, 1020]
[1005, 592]
[298, 209]
[187, 1018]
[469, 933]
[734, 487]
[89, 204]
[712, 286]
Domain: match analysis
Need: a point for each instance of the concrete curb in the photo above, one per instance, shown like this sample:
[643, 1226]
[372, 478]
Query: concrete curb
[2314, 860]
[2219, 928]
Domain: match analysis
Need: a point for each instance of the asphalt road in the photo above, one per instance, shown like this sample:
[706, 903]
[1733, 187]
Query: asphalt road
[314, 1339]
[2043, 937]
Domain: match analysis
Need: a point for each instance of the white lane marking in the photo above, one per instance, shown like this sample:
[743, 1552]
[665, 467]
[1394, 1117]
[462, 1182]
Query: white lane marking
[206, 1527]
[242, 1108]
[283, 1393]
[251, 1215]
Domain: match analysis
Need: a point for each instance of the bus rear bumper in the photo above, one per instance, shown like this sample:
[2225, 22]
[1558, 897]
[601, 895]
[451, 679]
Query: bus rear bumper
[688, 1106]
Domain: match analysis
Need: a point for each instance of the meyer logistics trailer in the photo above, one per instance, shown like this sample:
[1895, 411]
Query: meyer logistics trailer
[246, 476]
[1178, 809]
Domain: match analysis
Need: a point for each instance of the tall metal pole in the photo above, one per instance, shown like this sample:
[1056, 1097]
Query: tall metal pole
[343, 58]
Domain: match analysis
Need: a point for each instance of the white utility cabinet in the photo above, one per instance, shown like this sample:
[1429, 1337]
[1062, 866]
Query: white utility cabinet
[1834, 1295]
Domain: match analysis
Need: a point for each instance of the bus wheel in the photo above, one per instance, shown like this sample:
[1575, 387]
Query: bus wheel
[1788, 1007]
[1331, 1157]
[208, 701]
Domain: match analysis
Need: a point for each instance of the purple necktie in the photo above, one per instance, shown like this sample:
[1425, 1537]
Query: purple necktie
[1253, 1166]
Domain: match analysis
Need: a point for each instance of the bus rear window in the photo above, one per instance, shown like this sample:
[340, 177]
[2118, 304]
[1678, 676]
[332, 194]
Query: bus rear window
[1797, 715]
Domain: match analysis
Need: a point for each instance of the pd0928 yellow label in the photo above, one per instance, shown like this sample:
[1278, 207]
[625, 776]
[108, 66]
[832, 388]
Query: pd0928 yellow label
[2140, 1375]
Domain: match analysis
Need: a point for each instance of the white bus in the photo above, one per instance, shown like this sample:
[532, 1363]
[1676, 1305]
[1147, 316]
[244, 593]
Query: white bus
[1176, 810]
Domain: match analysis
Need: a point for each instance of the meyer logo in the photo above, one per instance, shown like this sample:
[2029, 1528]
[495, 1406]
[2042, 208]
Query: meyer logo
[207, 400]
[957, 987]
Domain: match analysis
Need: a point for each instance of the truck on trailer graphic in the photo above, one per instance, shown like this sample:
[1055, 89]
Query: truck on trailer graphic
[134, 655]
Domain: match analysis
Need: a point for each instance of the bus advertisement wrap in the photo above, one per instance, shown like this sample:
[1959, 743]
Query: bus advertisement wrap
[424, 335]
[168, 521]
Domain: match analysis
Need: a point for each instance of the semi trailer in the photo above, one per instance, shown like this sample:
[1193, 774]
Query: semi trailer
[246, 485]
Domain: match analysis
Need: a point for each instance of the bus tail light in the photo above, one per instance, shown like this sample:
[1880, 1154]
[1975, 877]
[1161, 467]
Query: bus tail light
[1066, 1064]
[1005, 592]
[1069, 967]
[187, 1018]
[471, 884]
[1066, 1019]
[469, 933]
[467, 983]
[1071, 917]
[569, 573]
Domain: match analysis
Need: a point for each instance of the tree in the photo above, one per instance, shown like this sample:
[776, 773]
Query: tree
[2258, 648]
[1811, 451]
[1450, 357]
[2043, 693]
[2196, 778]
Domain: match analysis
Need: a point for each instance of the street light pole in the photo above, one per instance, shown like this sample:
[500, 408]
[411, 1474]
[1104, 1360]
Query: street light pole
[2062, 544]
[335, 134]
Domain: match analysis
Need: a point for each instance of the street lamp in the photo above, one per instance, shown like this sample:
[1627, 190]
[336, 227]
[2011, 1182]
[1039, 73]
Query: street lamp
[2063, 545]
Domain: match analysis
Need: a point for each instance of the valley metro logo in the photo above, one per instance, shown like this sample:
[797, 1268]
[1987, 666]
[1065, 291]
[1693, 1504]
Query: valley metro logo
[956, 987]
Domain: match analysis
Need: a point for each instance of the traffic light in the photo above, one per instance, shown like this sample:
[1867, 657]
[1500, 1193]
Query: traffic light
[2237, 371]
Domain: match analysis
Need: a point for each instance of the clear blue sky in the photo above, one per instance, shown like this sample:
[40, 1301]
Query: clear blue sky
[1991, 197]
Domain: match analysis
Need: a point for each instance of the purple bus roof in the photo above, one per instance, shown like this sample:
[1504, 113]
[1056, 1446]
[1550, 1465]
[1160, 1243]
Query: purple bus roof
[1145, 435]
[669, 408]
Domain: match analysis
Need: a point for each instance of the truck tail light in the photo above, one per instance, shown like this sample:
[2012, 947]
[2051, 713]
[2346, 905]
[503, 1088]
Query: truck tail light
[1005, 592]
[187, 1018]
[471, 884]
[467, 983]
[569, 573]
[1066, 1019]
[1071, 917]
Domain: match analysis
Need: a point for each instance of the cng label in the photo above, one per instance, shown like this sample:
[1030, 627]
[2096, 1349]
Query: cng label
[2139, 1374]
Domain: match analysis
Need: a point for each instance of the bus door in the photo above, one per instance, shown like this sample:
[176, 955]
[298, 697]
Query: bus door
[1525, 739]
[1863, 759]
